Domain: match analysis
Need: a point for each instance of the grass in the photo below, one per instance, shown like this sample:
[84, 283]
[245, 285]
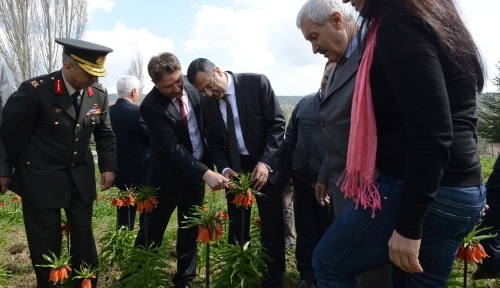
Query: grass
[14, 254]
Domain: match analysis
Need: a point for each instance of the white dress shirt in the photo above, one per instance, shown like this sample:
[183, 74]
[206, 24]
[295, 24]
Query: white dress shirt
[194, 131]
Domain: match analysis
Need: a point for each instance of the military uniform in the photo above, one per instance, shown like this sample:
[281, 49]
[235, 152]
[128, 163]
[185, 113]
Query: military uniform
[54, 168]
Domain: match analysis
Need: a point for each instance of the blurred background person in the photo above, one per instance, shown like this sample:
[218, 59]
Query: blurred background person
[132, 143]
[304, 141]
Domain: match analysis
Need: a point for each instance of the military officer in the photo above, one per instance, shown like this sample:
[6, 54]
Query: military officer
[46, 129]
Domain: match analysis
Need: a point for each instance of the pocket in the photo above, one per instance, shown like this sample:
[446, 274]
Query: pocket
[56, 128]
[89, 123]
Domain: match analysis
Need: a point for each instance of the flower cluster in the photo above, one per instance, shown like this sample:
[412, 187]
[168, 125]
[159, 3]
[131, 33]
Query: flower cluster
[472, 253]
[126, 199]
[210, 233]
[16, 199]
[58, 274]
[147, 205]
[86, 273]
[471, 250]
[245, 199]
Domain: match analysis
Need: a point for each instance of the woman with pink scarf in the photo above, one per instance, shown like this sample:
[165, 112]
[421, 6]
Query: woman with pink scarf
[414, 120]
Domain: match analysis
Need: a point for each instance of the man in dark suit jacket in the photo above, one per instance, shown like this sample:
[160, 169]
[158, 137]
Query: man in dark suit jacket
[132, 143]
[178, 164]
[336, 38]
[259, 127]
[5, 163]
[47, 124]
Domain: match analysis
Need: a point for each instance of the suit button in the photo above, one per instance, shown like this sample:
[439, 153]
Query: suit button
[77, 126]
[93, 123]
[72, 164]
[56, 123]
[93, 118]
[75, 153]
[28, 163]
[321, 124]
[76, 140]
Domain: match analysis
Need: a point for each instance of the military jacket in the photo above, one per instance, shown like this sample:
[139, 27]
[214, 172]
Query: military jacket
[49, 143]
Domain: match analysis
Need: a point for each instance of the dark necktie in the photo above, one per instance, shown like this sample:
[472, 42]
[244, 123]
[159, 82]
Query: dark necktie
[234, 150]
[76, 101]
[337, 68]
[182, 110]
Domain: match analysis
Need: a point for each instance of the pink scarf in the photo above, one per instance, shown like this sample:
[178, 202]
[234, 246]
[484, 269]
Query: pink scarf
[362, 149]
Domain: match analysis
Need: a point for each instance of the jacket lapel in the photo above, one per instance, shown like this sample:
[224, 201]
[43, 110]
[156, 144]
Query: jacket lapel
[350, 67]
[64, 101]
[239, 91]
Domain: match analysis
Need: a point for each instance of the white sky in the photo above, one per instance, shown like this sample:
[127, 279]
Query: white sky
[242, 36]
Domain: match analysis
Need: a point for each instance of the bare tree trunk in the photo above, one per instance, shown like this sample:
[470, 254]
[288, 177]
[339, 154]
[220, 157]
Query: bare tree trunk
[27, 32]
[136, 69]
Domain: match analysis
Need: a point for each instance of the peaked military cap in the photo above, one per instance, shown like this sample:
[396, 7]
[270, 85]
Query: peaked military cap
[89, 56]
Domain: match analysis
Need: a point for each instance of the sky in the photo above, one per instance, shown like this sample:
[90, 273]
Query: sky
[241, 36]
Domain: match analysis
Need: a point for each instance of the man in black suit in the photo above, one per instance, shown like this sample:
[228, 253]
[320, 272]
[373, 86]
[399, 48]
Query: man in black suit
[132, 143]
[178, 164]
[259, 127]
[46, 129]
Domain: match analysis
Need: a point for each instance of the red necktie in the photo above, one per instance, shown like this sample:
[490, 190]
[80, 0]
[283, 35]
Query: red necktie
[183, 113]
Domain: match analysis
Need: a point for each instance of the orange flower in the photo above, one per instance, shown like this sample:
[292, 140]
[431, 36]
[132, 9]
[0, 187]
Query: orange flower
[59, 274]
[222, 215]
[248, 200]
[203, 234]
[86, 283]
[238, 199]
[471, 254]
[218, 231]
[258, 224]
[97, 196]
[16, 199]
[147, 205]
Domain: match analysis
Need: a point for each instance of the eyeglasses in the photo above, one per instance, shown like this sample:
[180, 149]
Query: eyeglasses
[209, 86]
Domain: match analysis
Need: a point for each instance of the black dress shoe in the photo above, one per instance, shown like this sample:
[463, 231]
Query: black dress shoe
[483, 273]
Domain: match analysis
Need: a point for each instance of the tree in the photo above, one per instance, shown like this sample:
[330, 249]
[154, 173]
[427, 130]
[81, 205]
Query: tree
[28, 30]
[489, 114]
[136, 69]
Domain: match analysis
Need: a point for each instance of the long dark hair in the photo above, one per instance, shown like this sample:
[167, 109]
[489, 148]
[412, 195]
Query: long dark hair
[443, 17]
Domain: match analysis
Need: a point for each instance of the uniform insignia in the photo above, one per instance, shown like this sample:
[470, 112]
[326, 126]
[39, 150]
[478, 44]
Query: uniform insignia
[58, 88]
[94, 111]
[100, 86]
[94, 105]
[51, 78]
[41, 81]
[58, 110]
[90, 91]
[34, 83]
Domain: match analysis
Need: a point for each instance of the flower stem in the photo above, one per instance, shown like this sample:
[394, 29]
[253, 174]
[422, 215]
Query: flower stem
[242, 236]
[207, 267]
[465, 273]
[146, 246]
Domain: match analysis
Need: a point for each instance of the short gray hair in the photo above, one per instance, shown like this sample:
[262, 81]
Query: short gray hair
[126, 84]
[319, 11]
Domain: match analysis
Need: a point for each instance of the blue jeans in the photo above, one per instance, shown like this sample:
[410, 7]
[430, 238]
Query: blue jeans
[356, 242]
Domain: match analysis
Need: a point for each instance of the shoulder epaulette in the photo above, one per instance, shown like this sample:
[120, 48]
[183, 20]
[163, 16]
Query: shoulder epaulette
[41, 81]
[100, 87]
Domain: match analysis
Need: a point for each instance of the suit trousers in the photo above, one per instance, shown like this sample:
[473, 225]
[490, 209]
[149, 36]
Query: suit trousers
[272, 234]
[311, 221]
[43, 230]
[492, 219]
[186, 248]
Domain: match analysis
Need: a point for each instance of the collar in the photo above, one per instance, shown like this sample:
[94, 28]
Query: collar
[230, 84]
[352, 45]
[70, 88]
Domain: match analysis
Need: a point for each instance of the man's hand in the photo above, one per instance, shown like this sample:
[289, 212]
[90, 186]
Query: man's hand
[107, 179]
[259, 175]
[403, 252]
[215, 180]
[229, 174]
[322, 194]
[4, 184]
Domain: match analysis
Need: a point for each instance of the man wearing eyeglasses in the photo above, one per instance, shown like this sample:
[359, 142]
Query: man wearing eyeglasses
[245, 128]
[178, 163]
